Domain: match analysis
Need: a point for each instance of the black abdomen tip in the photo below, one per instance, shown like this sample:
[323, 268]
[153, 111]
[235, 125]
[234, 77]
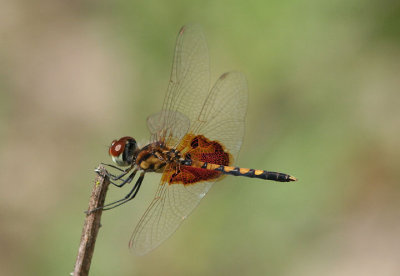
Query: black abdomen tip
[275, 176]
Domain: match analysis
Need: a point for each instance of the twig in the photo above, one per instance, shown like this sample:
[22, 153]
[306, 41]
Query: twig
[92, 223]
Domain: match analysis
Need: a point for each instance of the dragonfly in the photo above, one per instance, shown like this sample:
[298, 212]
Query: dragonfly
[195, 140]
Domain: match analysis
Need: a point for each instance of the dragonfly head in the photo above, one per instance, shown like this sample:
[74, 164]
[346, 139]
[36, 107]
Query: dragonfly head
[123, 151]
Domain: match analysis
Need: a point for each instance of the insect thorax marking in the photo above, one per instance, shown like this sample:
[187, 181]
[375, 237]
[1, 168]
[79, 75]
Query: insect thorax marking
[153, 158]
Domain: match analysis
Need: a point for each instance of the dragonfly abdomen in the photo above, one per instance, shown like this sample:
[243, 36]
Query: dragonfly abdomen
[236, 171]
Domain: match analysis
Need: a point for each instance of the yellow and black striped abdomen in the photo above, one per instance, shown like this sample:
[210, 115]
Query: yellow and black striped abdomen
[236, 171]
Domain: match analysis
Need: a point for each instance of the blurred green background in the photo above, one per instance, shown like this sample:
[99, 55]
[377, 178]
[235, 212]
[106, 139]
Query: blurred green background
[323, 105]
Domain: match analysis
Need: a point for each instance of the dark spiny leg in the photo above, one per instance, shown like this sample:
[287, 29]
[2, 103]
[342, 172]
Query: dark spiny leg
[113, 166]
[126, 198]
[114, 177]
[119, 177]
[127, 180]
[131, 195]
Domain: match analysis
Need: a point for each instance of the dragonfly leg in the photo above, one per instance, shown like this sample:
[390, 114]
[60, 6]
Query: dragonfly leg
[129, 179]
[116, 177]
[124, 181]
[113, 166]
[131, 195]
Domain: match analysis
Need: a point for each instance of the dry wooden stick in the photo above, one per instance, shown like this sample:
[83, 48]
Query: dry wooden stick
[92, 223]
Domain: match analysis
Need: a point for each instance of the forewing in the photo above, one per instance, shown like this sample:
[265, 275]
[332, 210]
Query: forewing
[171, 136]
[189, 84]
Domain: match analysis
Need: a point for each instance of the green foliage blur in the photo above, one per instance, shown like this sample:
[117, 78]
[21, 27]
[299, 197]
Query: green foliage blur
[323, 106]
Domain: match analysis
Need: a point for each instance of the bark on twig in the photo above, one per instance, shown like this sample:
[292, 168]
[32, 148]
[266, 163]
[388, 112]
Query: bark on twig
[92, 223]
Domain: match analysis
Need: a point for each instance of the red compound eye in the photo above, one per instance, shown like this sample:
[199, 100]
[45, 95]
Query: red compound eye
[116, 148]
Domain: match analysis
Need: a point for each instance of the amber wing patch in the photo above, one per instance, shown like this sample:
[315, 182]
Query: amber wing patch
[198, 148]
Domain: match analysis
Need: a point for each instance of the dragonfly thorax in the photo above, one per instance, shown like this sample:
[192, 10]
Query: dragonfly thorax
[123, 151]
[155, 156]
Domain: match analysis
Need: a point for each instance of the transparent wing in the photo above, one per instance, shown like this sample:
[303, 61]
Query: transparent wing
[190, 108]
[188, 87]
[172, 135]
[220, 118]
[169, 208]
